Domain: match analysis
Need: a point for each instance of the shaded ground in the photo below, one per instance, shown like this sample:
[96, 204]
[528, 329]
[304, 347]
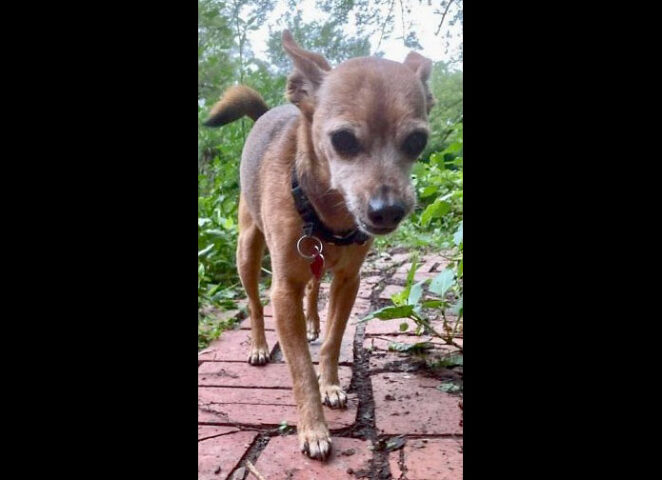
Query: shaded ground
[403, 421]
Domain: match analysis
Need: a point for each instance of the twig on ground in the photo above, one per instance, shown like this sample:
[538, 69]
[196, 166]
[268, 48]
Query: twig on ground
[254, 471]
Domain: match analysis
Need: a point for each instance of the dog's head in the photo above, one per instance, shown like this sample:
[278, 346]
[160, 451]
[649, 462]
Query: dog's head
[368, 123]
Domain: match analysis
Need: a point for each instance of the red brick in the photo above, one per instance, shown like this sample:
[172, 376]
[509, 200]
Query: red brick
[271, 375]
[390, 290]
[361, 308]
[418, 408]
[435, 263]
[244, 396]
[282, 460]
[262, 407]
[431, 458]
[269, 323]
[400, 257]
[418, 276]
[428, 263]
[346, 346]
[365, 290]
[233, 345]
[371, 280]
[222, 453]
[405, 267]
[209, 431]
[376, 326]
[380, 264]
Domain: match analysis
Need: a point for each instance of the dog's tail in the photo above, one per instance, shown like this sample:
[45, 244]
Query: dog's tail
[237, 101]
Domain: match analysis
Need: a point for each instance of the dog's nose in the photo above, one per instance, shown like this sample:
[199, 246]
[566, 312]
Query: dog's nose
[385, 213]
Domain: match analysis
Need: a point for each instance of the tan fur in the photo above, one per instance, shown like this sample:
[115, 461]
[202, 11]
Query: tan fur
[382, 102]
[312, 316]
[237, 101]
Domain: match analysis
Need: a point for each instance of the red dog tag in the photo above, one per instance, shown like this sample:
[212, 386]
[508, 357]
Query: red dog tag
[317, 266]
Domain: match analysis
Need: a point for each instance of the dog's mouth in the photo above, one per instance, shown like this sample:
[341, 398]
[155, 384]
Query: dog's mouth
[372, 230]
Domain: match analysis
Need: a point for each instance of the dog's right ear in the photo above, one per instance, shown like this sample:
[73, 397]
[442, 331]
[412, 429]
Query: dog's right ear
[309, 71]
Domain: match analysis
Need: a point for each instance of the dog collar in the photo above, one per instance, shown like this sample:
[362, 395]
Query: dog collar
[312, 225]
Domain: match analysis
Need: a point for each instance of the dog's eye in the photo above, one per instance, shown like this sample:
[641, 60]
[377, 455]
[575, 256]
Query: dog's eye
[345, 143]
[415, 143]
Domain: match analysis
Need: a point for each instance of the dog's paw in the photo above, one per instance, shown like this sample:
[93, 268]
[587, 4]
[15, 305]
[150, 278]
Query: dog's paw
[259, 355]
[312, 332]
[315, 441]
[333, 396]
[312, 327]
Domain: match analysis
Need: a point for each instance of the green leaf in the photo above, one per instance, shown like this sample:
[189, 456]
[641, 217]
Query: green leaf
[412, 270]
[389, 313]
[437, 159]
[433, 303]
[457, 359]
[458, 236]
[416, 293]
[442, 282]
[429, 191]
[435, 210]
[399, 299]
[213, 288]
[448, 387]
[205, 250]
[452, 361]
[409, 347]
[215, 233]
[453, 147]
[447, 196]
[404, 326]
[457, 308]
[228, 224]
[395, 443]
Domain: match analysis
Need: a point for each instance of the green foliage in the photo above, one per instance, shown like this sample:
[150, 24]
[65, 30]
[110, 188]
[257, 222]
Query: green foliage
[449, 387]
[284, 428]
[447, 88]
[210, 328]
[409, 347]
[410, 303]
[224, 58]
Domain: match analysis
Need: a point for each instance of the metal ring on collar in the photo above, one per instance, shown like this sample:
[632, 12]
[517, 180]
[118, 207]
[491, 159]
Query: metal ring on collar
[319, 248]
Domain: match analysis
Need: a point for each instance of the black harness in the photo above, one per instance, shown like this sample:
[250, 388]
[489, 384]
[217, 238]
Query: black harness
[312, 225]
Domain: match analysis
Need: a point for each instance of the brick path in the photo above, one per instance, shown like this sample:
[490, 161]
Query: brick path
[391, 399]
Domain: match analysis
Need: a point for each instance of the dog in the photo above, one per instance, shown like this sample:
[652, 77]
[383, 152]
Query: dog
[319, 178]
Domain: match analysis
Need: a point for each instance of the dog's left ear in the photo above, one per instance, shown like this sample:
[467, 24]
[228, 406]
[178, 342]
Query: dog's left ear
[309, 71]
[422, 67]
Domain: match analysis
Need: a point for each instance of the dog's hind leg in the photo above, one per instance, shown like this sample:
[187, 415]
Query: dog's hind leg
[250, 248]
[312, 316]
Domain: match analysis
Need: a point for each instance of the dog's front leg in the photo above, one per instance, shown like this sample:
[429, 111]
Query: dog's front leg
[344, 288]
[314, 437]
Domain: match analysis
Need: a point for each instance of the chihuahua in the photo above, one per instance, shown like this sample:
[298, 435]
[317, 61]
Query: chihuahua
[319, 178]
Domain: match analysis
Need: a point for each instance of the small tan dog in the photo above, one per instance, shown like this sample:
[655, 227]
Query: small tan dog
[318, 179]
